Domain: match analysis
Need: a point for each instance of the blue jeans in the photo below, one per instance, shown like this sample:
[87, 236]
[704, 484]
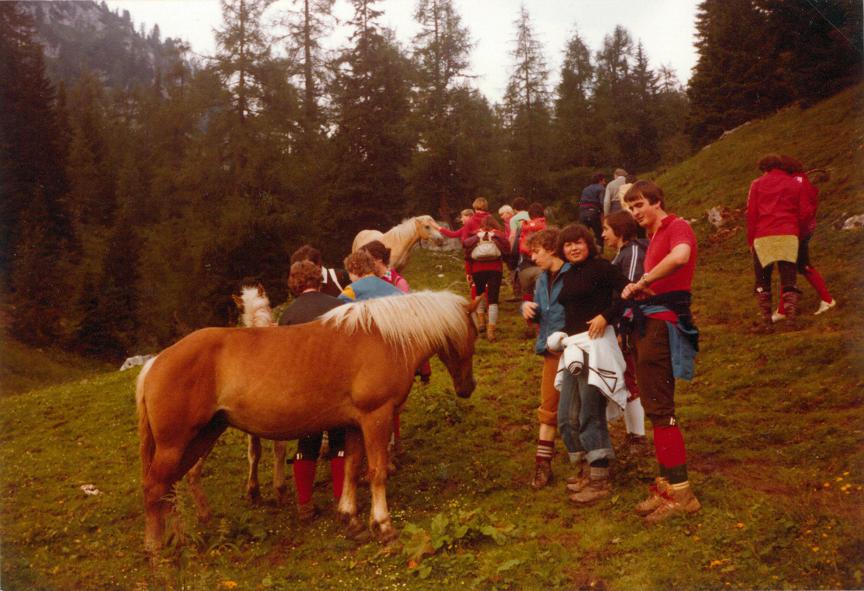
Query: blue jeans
[568, 414]
[582, 419]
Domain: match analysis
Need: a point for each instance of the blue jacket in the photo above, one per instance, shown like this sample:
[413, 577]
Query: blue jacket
[550, 314]
[367, 288]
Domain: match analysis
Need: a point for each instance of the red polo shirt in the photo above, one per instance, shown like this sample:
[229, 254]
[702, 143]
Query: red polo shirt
[672, 232]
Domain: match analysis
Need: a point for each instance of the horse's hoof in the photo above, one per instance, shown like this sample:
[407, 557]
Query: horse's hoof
[355, 530]
[388, 537]
[253, 496]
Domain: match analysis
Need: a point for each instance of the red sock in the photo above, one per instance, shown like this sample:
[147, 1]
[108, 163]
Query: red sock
[669, 447]
[337, 475]
[304, 479]
[818, 283]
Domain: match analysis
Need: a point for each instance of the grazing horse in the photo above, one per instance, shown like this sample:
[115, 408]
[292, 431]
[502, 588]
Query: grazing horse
[350, 368]
[399, 239]
[255, 311]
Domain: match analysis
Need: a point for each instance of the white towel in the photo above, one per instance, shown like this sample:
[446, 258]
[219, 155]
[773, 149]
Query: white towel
[606, 365]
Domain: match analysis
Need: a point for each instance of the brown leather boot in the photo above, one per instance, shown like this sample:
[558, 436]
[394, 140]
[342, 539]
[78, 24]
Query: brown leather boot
[481, 321]
[542, 474]
[655, 497]
[490, 332]
[790, 306]
[680, 501]
[599, 486]
[766, 324]
[306, 512]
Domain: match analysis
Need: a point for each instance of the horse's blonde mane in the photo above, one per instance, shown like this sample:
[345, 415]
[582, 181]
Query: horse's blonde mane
[256, 307]
[428, 320]
[403, 231]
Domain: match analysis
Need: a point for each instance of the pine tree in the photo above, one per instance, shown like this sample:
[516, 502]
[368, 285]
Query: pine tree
[441, 56]
[526, 112]
[372, 141]
[572, 106]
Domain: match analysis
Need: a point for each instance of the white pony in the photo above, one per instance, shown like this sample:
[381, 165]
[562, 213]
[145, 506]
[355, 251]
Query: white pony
[255, 311]
[399, 239]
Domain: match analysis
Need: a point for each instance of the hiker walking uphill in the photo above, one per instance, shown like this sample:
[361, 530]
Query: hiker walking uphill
[611, 199]
[665, 341]
[591, 206]
[485, 249]
[807, 227]
[776, 206]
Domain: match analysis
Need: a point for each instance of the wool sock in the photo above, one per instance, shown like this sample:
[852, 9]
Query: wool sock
[337, 474]
[493, 313]
[304, 479]
[671, 453]
[545, 449]
[601, 463]
[634, 417]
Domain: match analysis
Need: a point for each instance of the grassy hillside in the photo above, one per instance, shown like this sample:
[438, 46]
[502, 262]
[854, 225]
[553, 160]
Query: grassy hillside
[773, 423]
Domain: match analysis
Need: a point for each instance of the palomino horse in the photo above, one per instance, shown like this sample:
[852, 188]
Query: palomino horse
[351, 368]
[255, 311]
[399, 239]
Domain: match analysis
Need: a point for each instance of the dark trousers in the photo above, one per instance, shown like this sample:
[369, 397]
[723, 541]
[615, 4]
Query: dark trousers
[309, 446]
[488, 282]
[593, 218]
[787, 271]
[654, 372]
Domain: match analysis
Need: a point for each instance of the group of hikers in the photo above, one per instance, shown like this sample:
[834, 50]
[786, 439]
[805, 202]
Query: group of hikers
[613, 335]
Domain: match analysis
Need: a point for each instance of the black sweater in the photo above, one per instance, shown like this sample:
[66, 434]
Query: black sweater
[590, 288]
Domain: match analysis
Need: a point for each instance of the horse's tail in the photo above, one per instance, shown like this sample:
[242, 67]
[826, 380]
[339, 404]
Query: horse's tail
[145, 433]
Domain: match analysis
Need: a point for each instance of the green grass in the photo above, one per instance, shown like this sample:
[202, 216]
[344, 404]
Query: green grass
[773, 426]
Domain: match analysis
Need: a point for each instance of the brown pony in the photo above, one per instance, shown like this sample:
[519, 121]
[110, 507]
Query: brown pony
[350, 368]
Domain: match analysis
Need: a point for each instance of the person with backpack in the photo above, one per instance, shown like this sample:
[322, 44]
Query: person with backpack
[484, 249]
[528, 271]
[333, 281]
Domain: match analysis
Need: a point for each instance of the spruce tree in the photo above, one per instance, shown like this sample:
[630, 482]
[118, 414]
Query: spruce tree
[572, 106]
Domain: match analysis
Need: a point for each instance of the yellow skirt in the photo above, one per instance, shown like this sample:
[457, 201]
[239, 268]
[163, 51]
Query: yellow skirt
[770, 249]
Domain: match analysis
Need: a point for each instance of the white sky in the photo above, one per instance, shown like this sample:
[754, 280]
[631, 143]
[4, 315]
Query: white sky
[665, 27]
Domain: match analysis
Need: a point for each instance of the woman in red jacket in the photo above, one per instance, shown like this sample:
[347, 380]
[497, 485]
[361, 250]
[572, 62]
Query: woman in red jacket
[484, 250]
[775, 207]
[808, 225]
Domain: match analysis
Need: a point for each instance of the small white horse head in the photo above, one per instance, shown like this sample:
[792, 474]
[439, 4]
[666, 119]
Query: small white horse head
[254, 306]
[426, 228]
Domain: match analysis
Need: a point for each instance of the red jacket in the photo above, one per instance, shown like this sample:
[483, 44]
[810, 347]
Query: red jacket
[776, 205]
[473, 223]
[470, 242]
[811, 194]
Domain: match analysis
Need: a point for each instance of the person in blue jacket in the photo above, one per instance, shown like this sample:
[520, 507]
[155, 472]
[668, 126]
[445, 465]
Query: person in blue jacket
[549, 314]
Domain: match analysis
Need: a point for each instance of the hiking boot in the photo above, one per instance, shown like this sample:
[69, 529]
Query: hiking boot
[490, 332]
[542, 475]
[481, 321]
[790, 307]
[681, 501]
[306, 512]
[825, 306]
[657, 491]
[596, 489]
[577, 483]
[763, 299]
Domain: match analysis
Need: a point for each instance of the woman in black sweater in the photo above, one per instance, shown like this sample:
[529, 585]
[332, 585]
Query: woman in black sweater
[590, 296]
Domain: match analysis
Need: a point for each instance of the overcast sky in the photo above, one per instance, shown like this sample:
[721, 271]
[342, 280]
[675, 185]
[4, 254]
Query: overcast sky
[665, 27]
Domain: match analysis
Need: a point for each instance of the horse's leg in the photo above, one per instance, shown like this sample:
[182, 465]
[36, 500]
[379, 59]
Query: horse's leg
[280, 449]
[348, 501]
[377, 427]
[253, 452]
[163, 473]
[193, 477]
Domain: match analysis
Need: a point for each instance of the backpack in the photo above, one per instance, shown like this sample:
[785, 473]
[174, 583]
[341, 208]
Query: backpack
[529, 227]
[486, 249]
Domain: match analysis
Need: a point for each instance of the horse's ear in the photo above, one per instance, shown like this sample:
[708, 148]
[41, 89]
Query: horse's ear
[473, 305]
[238, 301]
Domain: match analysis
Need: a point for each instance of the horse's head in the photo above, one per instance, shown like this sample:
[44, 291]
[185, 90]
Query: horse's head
[426, 228]
[458, 357]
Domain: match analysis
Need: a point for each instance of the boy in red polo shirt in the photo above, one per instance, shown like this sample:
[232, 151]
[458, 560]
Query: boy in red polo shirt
[666, 342]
